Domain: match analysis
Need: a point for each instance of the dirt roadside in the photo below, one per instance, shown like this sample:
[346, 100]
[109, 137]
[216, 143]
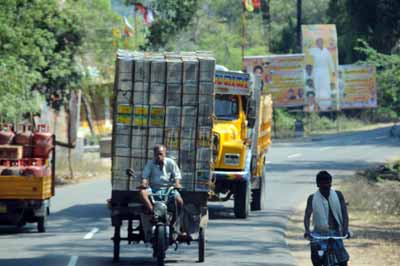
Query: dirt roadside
[376, 238]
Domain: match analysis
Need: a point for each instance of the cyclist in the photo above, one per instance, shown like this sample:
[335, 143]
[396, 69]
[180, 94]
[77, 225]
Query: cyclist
[330, 217]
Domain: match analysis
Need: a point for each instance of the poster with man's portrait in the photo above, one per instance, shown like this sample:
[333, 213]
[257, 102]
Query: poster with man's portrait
[321, 67]
[280, 75]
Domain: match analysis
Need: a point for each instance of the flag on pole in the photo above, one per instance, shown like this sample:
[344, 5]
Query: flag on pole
[256, 4]
[248, 5]
[147, 13]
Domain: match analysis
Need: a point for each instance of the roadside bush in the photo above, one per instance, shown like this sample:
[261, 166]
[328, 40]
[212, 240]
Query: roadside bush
[284, 124]
[314, 123]
[317, 123]
[346, 123]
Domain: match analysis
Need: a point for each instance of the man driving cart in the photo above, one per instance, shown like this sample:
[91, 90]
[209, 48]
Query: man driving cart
[161, 171]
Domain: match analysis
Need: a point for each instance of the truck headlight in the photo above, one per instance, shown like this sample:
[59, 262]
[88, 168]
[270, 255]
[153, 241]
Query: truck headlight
[232, 159]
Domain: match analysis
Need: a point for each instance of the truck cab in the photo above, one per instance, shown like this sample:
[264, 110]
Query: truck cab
[239, 156]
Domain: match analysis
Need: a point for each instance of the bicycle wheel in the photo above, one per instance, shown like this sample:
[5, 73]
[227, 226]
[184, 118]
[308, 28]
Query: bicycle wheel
[330, 259]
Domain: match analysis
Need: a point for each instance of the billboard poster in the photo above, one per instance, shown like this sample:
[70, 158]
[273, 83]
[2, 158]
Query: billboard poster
[321, 67]
[281, 75]
[357, 86]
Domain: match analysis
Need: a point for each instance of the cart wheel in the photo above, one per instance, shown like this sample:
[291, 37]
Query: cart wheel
[161, 245]
[117, 240]
[41, 224]
[202, 244]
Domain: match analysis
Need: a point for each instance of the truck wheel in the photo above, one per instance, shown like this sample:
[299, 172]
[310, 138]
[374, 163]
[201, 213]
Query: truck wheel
[41, 224]
[161, 245]
[242, 200]
[259, 195]
[202, 244]
[117, 240]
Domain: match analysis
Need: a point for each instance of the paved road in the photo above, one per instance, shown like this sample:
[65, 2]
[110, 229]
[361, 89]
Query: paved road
[79, 228]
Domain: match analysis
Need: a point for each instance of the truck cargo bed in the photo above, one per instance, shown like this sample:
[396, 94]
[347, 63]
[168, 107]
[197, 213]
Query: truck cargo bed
[25, 187]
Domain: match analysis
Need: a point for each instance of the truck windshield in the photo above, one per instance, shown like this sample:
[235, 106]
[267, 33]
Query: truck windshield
[226, 107]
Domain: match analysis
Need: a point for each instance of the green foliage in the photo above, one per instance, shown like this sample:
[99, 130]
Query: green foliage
[172, 17]
[315, 122]
[375, 21]
[388, 78]
[283, 123]
[38, 41]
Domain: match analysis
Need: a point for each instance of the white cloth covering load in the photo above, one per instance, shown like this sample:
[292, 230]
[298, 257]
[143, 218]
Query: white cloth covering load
[320, 207]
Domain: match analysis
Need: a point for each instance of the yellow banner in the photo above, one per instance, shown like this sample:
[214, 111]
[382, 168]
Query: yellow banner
[357, 86]
[281, 75]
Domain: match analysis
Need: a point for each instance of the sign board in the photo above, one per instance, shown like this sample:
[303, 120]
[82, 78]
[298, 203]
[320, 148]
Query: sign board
[236, 83]
[281, 75]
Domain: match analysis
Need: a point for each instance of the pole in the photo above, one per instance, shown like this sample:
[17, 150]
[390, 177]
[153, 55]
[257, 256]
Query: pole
[299, 15]
[136, 26]
[243, 33]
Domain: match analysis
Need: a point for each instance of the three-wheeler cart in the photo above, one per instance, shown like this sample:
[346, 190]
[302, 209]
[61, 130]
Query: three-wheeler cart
[128, 212]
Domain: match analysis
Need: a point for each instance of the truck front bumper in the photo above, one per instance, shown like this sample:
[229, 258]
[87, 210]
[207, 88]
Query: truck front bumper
[230, 175]
[234, 175]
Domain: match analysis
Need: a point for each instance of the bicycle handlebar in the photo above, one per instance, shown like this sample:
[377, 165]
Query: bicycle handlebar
[328, 237]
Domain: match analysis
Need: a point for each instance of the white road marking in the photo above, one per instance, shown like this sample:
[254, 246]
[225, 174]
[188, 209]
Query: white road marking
[268, 162]
[91, 233]
[73, 260]
[325, 148]
[381, 137]
[294, 155]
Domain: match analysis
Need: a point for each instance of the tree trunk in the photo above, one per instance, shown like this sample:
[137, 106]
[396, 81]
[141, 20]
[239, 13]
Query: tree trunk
[88, 111]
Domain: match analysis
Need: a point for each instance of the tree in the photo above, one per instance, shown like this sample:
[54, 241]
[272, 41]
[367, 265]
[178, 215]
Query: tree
[38, 43]
[388, 78]
[375, 21]
[172, 16]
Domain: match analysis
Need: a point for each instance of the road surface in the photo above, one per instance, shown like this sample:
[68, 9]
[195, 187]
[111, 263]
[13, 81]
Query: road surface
[79, 229]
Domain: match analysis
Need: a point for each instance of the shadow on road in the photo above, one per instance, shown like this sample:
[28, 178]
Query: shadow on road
[78, 218]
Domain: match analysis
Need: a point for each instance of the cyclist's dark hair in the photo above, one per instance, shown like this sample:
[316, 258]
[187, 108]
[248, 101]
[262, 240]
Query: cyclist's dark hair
[159, 147]
[323, 176]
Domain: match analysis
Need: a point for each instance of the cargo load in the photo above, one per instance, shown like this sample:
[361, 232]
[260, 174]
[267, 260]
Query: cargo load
[163, 99]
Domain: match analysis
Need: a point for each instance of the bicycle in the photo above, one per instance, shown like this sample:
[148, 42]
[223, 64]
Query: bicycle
[326, 250]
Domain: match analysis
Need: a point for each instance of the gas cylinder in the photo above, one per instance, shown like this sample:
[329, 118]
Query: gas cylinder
[13, 170]
[42, 141]
[24, 137]
[6, 134]
[34, 170]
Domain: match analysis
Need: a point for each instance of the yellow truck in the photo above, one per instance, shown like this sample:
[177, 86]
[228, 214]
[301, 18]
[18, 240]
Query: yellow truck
[26, 187]
[241, 138]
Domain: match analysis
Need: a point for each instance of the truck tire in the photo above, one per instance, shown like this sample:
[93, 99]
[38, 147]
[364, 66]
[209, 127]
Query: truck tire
[259, 195]
[242, 200]
[41, 224]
